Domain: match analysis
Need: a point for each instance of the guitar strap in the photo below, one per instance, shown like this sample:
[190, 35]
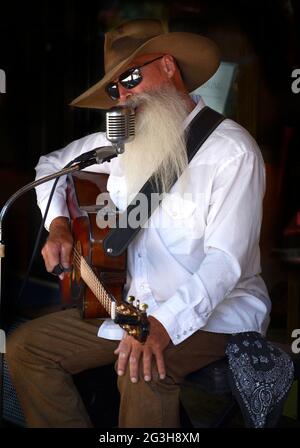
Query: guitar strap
[118, 239]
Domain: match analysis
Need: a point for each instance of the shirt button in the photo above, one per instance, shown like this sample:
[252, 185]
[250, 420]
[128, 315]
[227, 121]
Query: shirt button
[139, 255]
[184, 332]
[191, 329]
[178, 336]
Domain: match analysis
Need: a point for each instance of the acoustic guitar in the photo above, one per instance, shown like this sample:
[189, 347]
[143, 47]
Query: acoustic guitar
[96, 280]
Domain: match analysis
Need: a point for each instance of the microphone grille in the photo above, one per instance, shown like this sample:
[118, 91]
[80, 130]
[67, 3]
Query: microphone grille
[120, 125]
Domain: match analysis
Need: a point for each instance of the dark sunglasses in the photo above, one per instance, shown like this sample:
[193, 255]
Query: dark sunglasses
[129, 79]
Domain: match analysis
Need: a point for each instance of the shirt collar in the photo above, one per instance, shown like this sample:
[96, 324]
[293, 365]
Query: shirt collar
[199, 105]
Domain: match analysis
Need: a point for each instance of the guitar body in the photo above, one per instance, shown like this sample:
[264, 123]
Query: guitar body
[83, 189]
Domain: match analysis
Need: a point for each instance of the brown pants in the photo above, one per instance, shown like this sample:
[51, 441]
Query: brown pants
[43, 354]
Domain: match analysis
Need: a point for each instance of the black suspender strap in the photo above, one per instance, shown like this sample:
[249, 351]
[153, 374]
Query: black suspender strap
[200, 128]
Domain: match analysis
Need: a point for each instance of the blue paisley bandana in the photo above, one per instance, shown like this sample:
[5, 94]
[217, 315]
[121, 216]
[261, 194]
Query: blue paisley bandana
[261, 376]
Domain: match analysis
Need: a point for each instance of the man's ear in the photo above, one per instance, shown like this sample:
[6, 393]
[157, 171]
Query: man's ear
[168, 65]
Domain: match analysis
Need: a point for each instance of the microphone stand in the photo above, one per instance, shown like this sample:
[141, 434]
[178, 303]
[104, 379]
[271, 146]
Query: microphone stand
[100, 155]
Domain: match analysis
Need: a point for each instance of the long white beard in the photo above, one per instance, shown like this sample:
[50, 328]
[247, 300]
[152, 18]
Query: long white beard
[159, 147]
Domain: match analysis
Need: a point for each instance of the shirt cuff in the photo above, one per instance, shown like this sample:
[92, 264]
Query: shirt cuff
[180, 324]
[110, 330]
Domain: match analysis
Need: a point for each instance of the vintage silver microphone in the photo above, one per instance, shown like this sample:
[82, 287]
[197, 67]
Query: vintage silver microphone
[120, 127]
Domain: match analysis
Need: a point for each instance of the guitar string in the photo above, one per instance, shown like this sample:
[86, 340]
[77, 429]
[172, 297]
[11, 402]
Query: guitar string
[91, 280]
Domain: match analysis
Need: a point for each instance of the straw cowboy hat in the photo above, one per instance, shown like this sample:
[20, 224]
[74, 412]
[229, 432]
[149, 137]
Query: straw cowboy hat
[197, 57]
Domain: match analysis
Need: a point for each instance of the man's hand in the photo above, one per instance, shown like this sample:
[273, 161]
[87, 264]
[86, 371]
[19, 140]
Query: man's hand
[58, 247]
[132, 351]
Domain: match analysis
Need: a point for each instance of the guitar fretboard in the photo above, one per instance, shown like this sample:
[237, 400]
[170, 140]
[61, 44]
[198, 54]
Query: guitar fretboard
[92, 281]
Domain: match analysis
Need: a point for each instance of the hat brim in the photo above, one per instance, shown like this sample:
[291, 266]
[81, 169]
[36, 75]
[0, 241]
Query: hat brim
[198, 58]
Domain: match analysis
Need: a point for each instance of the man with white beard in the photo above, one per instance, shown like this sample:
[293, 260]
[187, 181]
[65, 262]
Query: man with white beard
[201, 285]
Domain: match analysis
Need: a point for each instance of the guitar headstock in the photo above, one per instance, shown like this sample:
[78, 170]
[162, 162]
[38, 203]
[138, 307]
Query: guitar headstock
[132, 317]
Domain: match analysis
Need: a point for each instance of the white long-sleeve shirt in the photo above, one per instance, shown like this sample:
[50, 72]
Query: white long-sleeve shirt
[197, 263]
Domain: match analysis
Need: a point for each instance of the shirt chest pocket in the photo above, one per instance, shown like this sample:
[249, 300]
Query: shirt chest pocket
[182, 222]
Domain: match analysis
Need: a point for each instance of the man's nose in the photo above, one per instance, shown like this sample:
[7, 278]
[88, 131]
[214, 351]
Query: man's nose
[124, 94]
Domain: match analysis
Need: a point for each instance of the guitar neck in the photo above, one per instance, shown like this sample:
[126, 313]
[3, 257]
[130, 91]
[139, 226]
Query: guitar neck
[132, 319]
[91, 280]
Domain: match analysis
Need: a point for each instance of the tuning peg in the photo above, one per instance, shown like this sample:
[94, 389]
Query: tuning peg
[132, 332]
[130, 299]
[144, 307]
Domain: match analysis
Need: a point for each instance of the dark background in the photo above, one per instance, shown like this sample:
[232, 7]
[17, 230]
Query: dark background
[53, 51]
